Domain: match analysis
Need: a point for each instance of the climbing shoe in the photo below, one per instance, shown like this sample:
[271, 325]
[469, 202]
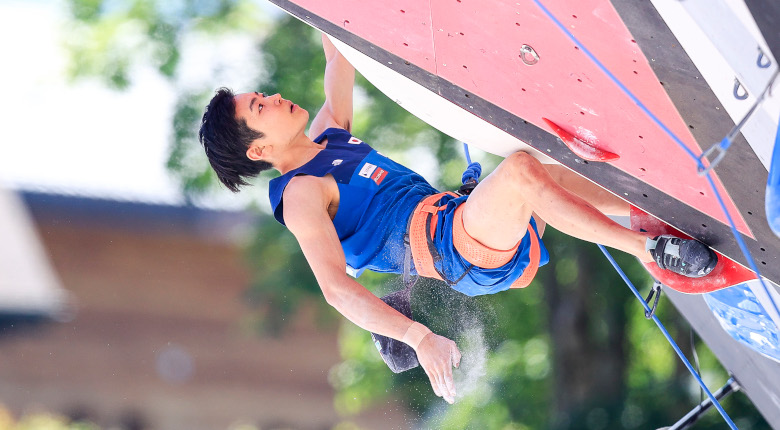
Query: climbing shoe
[686, 257]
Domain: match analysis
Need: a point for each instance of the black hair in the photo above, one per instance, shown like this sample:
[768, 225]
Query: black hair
[226, 139]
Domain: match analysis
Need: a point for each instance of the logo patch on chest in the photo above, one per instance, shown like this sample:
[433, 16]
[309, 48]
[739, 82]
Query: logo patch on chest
[355, 141]
[367, 170]
[379, 175]
[337, 162]
[370, 171]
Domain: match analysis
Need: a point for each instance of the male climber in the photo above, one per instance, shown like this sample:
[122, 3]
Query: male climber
[350, 208]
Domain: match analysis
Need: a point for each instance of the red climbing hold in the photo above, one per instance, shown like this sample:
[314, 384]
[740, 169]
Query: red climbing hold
[726, 274]
[581, 148]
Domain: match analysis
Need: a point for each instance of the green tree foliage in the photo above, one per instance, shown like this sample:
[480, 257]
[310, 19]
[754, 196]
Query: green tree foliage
[107, 38]
[571, 351]
[40, 420]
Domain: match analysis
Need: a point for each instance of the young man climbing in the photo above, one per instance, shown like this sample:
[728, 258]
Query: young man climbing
[351, 208]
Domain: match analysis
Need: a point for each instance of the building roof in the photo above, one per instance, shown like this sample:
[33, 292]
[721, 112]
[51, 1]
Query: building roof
[29, 285]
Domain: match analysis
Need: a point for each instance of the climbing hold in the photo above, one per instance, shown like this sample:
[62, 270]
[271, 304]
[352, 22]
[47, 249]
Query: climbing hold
[581, 148]
[726, 274]
[528, 55]
[742, 315]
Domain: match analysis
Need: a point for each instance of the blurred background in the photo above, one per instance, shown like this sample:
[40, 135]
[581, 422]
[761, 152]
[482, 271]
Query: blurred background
[137, 293]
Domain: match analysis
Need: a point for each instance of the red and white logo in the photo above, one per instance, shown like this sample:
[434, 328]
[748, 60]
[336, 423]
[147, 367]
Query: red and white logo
[355, 141]
[379, 175]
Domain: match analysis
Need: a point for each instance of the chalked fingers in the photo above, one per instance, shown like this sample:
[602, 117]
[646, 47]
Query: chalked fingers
[456, 356]
[437, 355]
[434, 384]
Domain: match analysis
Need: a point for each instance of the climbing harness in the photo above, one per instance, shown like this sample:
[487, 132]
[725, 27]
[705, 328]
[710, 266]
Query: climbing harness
[422, 225]
[419, 247]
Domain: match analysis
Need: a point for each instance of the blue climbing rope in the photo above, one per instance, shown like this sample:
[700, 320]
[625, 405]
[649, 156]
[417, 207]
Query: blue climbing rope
[772, 198]
[471, 175]
[669, 338]
[466, 151]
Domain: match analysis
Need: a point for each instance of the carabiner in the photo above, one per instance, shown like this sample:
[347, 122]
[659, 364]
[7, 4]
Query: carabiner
[721, 147]
[656, 291]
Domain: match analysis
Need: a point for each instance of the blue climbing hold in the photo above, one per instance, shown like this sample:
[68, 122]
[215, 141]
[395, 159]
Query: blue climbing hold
[743, 317]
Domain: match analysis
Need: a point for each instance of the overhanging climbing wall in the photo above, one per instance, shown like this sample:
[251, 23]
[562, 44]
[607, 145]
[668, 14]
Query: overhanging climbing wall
[489, 73]
[473, 58]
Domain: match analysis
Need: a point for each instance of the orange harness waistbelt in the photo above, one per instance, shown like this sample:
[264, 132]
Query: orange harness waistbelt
[422, 227]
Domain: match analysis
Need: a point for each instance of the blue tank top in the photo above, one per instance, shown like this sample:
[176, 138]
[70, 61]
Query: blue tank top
[376, 198]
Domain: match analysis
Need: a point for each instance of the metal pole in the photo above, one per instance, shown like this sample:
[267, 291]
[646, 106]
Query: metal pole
[694, 415]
